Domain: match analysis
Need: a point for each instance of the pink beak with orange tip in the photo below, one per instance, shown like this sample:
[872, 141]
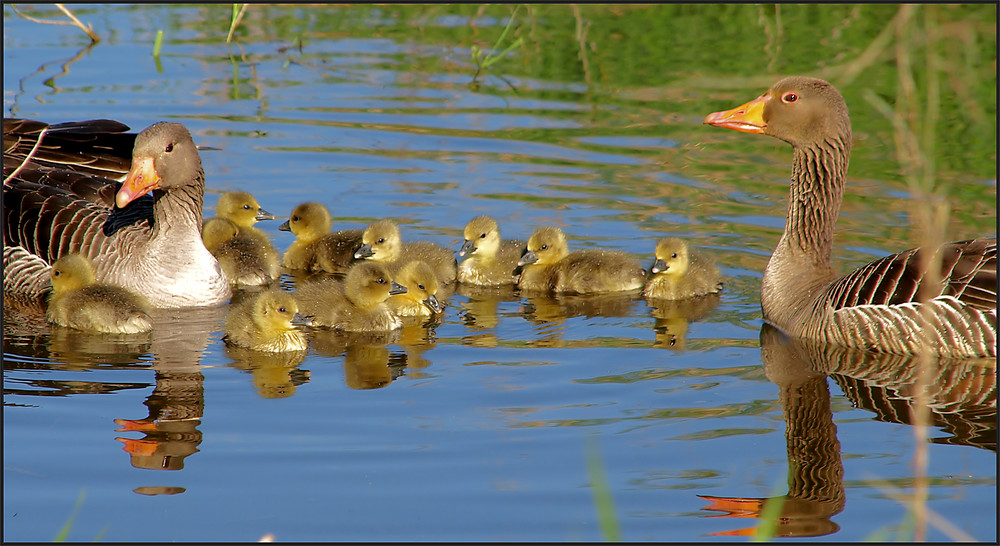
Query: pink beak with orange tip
[748, 118]
[142, 179]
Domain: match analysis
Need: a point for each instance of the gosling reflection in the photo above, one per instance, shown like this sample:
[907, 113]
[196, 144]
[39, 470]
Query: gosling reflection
[674, 316]
[276, 375]
[961, 398]
[549, 313]
[368, 363]
[481, 312]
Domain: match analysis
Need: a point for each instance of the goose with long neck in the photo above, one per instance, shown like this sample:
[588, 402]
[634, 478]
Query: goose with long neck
[146, 237]
[878, 306]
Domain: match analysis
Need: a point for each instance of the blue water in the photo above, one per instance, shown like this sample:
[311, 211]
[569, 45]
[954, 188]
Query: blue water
[476, 428]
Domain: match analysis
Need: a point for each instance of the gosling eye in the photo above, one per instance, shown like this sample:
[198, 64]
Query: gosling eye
[420, 286]
[246, 207]
[295, 218]
[789, 98]
[544, 247]
[674, 255]
[56, 273]
[380, 240]
[169, 148]
[380, 280]
[282, 310]
[483, 236]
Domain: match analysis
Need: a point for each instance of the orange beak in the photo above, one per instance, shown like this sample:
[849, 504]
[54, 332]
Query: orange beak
[748, 118]
[141, 179]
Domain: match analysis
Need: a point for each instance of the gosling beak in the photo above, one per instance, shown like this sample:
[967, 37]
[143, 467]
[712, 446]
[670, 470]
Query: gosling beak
[527, 258]
[287, 226]
[748, 118]
[302, 320]
[467, 248]
[396, 287]
[264, 215]
[365, 251]
[141, 179]
[658, 265]
[433, 304]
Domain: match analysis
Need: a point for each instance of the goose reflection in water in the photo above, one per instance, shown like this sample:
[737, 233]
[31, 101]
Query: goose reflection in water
[276, 375]
[480, 312]
[175, 408]
[368, 362]
[962, 400]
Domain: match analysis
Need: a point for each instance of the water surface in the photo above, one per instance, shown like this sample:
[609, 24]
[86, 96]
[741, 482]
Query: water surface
[479, 426]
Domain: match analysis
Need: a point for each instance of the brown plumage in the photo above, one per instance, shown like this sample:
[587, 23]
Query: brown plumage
[878, 306]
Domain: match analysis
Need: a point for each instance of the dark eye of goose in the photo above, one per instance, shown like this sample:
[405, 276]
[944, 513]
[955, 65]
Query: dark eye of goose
[246, 207]
[380, 280]
[56, 273]
[169, 148]
[380, 240]
[483, 236]
[789, 98]
[420, 286]
[295, 218]
[544, 247]
[674, 255]
[282, 310]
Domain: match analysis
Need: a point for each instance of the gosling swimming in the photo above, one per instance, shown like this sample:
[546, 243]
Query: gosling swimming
[491, 261]
[678, 274]
[264, 323]
[315, 248]
[548, 265]
[79, 301]
[358, 303]
[382, 243]
[420, 298]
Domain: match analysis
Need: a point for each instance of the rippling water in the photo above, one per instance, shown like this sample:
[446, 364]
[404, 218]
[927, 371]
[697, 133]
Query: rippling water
[503, 420]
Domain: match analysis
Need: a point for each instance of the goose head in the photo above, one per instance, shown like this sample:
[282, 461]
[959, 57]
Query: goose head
[308, 221]
[482, 235]
[671, 257]
[164, 158]
[241, 208]
[421, 284]
[802, 111]
[546, 246]
[381, 242]
[71, 272]
[368, 284]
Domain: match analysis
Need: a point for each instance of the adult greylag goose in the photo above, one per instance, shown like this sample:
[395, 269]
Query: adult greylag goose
[315, 248]
[382, 243]
[677, 273]
[548, 265]
[143, 234]
[876, 307]
[78, 301]
[492, 261]
[264, 323]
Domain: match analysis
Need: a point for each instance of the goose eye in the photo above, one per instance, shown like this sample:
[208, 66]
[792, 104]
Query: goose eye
[544, 247]
[282, 310]
[483, 236]
[295, 218]
[420, 286]
[380, 241]
[789, 98]
[674, 255]
[169, 148]
[380, 280]
[56, 273]
[246, 207]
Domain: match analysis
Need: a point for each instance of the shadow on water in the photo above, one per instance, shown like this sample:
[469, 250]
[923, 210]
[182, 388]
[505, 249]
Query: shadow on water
[962, 400]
